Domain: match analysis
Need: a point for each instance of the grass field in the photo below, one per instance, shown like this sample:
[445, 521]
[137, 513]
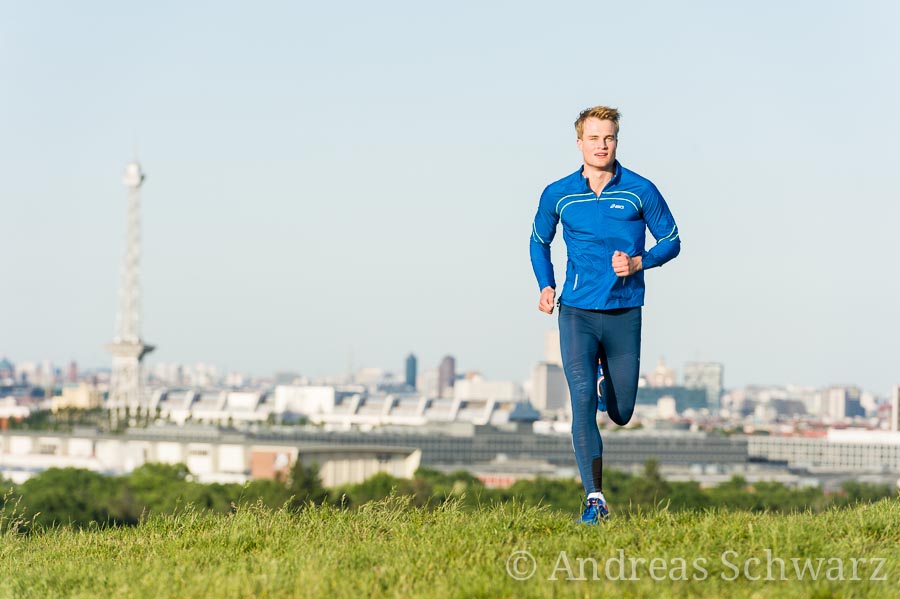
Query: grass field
[387, 549]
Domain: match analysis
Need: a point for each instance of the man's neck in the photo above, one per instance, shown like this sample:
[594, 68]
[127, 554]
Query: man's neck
[597, 177]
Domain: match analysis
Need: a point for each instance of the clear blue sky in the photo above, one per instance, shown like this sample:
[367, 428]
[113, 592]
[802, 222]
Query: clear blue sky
[331, 176]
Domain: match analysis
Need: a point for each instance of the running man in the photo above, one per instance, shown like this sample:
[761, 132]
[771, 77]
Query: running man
[605, 210]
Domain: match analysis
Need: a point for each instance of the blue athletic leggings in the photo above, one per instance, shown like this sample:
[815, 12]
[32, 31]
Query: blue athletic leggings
[612, 337]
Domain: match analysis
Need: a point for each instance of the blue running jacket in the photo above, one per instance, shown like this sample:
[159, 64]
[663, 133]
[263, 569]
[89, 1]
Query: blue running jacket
[594, 227]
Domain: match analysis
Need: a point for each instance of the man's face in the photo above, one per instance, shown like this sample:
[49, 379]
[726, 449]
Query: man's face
[598, 143]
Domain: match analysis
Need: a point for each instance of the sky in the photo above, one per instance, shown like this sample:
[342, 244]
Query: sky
[337, 184]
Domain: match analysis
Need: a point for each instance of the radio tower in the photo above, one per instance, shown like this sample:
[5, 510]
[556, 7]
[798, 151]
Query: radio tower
[128, 349]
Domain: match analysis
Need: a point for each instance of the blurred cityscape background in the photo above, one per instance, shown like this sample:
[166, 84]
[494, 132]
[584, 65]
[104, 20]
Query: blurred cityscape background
[231, 427]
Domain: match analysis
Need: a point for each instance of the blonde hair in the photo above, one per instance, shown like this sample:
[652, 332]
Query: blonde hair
[604, 113]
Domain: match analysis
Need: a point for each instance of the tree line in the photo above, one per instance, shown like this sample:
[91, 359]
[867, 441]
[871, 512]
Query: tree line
[77, 497]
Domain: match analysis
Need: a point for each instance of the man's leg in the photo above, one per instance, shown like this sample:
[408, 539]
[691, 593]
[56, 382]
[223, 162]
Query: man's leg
[579, 341]
[621, 357]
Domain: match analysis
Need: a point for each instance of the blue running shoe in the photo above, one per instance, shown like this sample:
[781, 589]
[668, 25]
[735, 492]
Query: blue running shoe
[594, 511]
[601, 402]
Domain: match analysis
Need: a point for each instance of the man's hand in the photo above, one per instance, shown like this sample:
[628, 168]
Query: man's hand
[548, 295]
[625, 265]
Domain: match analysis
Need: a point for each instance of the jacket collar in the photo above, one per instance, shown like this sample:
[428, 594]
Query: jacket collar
[617, 176]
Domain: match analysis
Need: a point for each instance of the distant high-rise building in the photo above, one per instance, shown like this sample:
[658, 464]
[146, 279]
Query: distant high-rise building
[47, 371]
[26, 373]
[706, 375]
[549, 389]
[841, 402]
[446, 376]
[7, 369]
[895, 408]
[869, 403]
[552, 351]
[411, 368]
[72, 376]
[427, 382]
[663, 376]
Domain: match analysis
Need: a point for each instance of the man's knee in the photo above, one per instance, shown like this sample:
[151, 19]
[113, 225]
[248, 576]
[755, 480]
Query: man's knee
[581, 387]
[621, 417]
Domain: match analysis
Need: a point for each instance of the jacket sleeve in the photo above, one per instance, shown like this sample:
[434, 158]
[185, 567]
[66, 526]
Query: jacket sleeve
[662, 226]
[542, 232]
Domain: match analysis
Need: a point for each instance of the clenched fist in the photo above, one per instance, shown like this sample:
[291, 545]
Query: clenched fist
[625, 265]
[548, 294]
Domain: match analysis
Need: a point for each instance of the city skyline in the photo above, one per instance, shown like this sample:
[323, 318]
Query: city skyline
[660, 375]
[277, 234]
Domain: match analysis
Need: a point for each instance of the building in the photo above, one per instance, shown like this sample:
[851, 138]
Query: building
[411, 370]
[685, 399]
[7, 371]
[662, 376]
[708, 376]
[788, 401]
[467, 445]
[895, 409]
[212, 455]
[79, 396]
[477, 387]
[549, 388]
[341, 407]
[446, 376]
[666, 408]
[840, 402]
[427, 382]
[32, 373]
[842, 450]
[11, 409]
[370, 376]
[552, 349]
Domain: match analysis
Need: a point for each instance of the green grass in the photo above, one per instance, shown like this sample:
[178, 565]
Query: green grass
[389, 549]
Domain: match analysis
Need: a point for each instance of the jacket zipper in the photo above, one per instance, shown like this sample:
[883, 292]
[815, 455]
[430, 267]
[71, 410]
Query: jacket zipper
[598, 220]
